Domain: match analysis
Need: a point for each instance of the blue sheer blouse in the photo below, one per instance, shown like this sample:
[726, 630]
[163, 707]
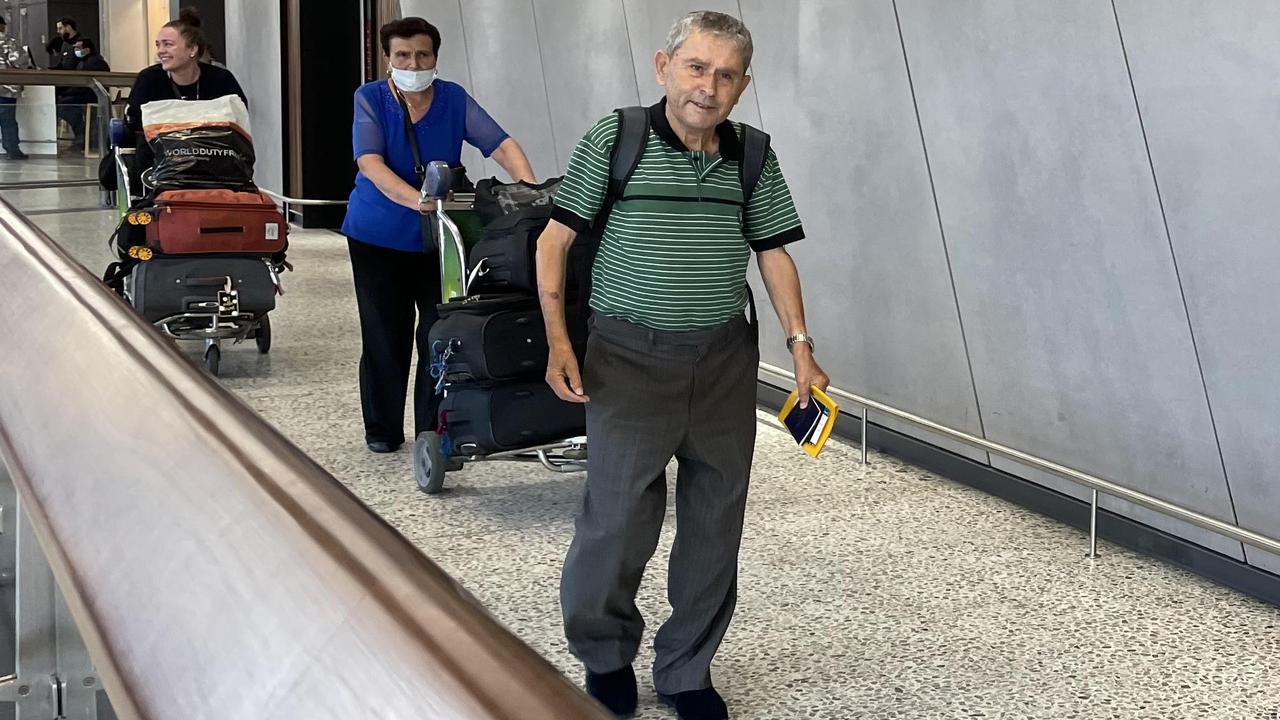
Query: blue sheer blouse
[454, 116]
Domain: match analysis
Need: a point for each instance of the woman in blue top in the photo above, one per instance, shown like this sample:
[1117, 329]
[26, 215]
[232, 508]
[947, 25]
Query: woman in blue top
[393, 274]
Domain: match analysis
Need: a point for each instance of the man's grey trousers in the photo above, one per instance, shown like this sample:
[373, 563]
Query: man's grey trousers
[657, 395]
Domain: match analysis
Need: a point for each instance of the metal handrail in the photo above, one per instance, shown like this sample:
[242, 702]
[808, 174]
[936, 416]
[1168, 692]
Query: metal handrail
[213, 569]
[298, 201]
[1096, 484]
[460, 201]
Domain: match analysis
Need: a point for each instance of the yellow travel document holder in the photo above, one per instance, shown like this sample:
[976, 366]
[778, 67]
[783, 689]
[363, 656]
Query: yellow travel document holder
[810, 426]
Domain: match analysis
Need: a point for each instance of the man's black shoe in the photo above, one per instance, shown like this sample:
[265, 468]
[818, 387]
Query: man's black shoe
[704, 704]
[615, 690]
[17, 155]
[379, 446]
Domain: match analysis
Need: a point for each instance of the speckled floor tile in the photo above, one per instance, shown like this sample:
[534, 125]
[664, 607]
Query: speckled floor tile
[866, 592]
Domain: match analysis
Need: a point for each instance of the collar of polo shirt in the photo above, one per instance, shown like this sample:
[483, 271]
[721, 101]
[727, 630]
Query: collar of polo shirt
[730, 145]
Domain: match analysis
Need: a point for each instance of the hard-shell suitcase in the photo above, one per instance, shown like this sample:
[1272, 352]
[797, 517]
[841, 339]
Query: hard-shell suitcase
[167, 286]
[216, 221]
[483, 418]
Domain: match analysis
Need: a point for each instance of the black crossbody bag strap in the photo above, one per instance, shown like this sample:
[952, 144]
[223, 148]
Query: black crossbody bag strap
[419, 171]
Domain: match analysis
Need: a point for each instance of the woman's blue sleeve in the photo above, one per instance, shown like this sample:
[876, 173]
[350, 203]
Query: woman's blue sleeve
[366, 130]
[482, 131]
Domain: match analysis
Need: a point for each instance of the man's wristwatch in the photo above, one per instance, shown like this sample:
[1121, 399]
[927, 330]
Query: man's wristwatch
[799, 337]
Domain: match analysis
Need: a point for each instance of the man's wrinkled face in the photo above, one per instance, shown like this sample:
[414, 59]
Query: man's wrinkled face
[703, 79]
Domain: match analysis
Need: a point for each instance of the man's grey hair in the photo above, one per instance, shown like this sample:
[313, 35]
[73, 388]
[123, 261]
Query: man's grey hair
[726, 26]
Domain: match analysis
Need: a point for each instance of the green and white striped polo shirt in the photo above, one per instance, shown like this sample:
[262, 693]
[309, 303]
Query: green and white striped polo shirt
[675, 250]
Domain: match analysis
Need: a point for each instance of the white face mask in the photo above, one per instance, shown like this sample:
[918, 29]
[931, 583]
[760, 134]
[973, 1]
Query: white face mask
[82, 53]
[412, 80]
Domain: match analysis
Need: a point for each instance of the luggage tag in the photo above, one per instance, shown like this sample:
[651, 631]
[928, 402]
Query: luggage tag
[228, 300]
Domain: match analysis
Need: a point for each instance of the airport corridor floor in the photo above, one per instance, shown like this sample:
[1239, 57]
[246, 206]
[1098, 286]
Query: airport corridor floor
[865, 592]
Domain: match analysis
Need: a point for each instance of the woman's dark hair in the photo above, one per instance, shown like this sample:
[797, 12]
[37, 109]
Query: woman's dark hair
[188, 26]
[407, 28]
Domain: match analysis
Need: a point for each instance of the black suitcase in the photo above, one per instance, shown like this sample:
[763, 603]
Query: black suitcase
[166, 286]
[508, 251]
[483, 419]
[497, 337]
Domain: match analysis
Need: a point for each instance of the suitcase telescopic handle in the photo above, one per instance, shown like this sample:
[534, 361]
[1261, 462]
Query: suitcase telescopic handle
[208, 281]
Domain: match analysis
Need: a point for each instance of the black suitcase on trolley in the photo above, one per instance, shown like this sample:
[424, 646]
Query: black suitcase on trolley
[483, 419]
[166, 286]
[496, 337]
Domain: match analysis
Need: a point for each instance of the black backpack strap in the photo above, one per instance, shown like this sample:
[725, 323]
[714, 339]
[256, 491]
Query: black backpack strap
[755, 151]
[628, 148]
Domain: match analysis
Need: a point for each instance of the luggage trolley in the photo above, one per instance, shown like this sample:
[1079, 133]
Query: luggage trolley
[430, 461]
[215, 315]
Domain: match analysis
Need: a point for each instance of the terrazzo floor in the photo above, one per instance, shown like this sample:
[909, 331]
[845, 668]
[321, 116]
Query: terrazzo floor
[866, 592]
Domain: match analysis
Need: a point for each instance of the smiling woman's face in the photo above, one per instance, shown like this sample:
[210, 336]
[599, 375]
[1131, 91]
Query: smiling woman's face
[172, 50]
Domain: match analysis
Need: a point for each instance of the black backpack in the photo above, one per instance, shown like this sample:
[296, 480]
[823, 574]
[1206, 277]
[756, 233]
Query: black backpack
[628, 149]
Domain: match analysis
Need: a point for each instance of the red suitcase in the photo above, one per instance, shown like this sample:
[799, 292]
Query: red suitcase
[188, 222]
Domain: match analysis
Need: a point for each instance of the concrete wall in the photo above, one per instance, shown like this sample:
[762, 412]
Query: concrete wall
[1050, 224]
[254, 54]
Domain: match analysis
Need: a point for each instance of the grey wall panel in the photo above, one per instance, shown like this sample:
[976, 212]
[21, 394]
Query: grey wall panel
[1205, 76]
[1078, 338]
[649, 21]
[879, 296]
[253, 41]
[587, 60]
[452, 63]
[507, 76]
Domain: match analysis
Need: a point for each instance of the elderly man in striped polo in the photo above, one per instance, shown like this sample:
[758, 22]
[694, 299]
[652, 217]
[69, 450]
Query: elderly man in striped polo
[670, 369]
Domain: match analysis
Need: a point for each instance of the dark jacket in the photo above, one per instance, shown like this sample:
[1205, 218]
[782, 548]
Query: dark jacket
[63, 57]
[84, 95]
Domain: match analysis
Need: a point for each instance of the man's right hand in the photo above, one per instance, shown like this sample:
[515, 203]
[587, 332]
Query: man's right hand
[563, 375]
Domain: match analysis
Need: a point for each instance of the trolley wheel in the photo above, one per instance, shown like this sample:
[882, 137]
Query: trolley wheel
[262, 335]
[212, 358]
[428, 464]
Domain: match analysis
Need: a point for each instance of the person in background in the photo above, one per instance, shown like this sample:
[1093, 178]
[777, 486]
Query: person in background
[62, 56]
[75, 99]
[61, 45]
[392, 273]
[178, 75]
[12, 55]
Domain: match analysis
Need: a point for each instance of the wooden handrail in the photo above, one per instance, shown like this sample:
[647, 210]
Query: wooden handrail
[214, 570]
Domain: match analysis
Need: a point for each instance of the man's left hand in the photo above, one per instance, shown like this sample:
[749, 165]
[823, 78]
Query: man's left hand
[808, 373]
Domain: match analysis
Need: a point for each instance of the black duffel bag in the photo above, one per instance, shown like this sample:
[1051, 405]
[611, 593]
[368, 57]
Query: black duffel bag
[507, 254]
[494, 198]
[514, 215]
